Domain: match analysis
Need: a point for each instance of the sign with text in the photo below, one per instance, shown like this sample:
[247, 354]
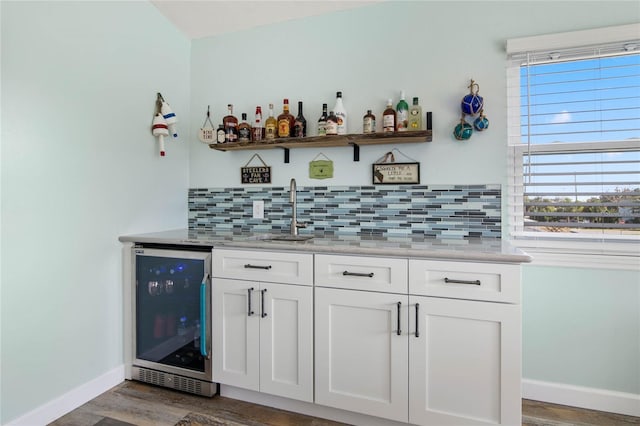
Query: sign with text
[259, 174]
[396, 173]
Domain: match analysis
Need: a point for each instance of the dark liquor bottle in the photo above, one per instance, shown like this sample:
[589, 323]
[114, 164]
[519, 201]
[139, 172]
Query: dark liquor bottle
[389, 118]
[244, 129]
[322, 121]
[300, 125]
[221, 135]
[332, 124]
[286, 121]
[230, 123]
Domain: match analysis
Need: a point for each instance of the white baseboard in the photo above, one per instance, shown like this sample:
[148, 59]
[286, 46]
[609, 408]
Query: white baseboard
[73, 399]
[583, 397]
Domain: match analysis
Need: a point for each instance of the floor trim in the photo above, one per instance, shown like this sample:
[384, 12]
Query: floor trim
[583, 397]
[71, 400]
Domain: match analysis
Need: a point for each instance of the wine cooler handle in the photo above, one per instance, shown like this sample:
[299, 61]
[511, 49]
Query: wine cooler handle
[399, 330]
[249, 310]
[203, 316]
[264, 313]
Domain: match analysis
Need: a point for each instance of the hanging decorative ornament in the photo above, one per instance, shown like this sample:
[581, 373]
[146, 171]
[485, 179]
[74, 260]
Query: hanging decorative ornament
[160, 129]
[168, 115]
[481, 123]
[207, 134]
[463, 130]
[472, 103]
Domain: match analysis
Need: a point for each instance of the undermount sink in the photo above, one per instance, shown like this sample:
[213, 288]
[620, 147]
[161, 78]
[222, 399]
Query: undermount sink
[284, 237]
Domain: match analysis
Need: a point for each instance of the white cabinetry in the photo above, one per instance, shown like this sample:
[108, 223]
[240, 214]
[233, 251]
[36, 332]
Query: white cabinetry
[405, 355]
[263, 329]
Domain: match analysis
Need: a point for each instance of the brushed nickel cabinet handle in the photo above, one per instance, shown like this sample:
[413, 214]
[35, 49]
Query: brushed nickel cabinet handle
[449, 281]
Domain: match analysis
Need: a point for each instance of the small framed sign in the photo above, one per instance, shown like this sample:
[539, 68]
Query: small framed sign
[255, 174]
[396, 173]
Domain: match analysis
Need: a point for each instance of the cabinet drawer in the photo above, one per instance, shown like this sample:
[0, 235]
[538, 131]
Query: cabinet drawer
[468, 280]
[266, 266]
[361, 273]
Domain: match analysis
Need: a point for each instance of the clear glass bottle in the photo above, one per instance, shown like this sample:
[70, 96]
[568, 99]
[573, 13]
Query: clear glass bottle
[322, 121]
[270, 126]
[300, 124]
[286, 121]
[331, 127]
[230, 123]
[257, 130]
[244, 129]
[341, 114]
[369, 122]
[415, 116]
[402, 114]
[389, 118]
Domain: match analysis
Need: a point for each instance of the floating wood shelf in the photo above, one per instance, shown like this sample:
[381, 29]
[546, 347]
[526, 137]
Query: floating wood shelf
[355, 140]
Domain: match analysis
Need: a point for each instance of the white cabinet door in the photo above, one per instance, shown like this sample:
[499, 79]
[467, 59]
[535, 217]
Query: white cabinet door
[465, 364]
[236, 333]
[286, 341]
[361, 361]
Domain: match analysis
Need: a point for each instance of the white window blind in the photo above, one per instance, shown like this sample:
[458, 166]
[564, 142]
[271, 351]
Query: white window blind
[574, 135]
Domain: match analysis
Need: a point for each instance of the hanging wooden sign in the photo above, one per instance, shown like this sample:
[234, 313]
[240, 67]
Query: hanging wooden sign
[321, 169]
[388, 172]
[255, 174]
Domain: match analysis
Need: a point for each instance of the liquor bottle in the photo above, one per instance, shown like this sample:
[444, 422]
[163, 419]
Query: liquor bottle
[300, 125]
[369, 123]
[270, 126]
[402, 114]
[244, 129]
[331, 127]
[258, 131]
[322, 121]
[415, 116]
[230, 123]
[221, 135]
[285, 121]
[389, 118]
[341, 113]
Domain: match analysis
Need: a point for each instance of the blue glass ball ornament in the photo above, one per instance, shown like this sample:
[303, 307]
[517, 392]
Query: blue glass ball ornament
[472, 104]
[463, 131]
[481, 123]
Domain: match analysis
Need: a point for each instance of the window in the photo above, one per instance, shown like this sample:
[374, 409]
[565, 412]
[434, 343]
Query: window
[574, 136]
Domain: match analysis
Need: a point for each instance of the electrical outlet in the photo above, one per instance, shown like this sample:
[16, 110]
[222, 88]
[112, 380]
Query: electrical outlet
[258, 209]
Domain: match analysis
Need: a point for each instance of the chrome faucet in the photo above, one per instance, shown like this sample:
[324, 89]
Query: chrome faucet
[294, 203]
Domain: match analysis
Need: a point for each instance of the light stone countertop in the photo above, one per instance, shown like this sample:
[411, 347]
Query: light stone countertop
[482, 250]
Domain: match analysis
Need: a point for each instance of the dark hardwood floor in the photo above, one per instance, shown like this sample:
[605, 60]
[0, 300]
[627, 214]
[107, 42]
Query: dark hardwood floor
[139, 404]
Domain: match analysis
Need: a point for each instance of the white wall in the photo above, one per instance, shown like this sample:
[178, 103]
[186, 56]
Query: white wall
[79, 168]
[431, 49]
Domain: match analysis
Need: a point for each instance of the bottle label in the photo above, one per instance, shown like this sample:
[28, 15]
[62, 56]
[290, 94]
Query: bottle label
[298, 129]
[257, 133]
[331, 128]
[244, 134]
[283, 128]
[368, 125]
[231, 132]
[388, 123]
[322, 128]
[342, 123]
[270, 131]
[221, 136]
[403, 120]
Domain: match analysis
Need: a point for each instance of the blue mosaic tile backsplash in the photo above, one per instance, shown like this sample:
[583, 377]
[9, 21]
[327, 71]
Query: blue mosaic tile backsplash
[438, 211]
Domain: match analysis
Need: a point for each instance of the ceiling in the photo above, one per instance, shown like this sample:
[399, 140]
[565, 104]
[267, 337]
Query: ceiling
[204, 18]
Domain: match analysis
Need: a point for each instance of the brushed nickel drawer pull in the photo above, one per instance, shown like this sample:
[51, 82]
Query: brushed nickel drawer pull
[358, 274]
[250, 266]
[448, 281]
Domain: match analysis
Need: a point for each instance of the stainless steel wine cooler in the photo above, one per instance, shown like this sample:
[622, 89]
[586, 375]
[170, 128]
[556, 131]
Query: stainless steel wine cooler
[172, 319]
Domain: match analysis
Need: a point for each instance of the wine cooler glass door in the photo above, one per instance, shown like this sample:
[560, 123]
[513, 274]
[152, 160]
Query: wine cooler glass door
[172, 311]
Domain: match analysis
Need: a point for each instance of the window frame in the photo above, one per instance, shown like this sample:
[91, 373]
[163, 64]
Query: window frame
[620, 251]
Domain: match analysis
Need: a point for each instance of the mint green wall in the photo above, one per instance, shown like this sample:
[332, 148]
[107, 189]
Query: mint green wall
[430, 49]
[80, 167]
[582, 326]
